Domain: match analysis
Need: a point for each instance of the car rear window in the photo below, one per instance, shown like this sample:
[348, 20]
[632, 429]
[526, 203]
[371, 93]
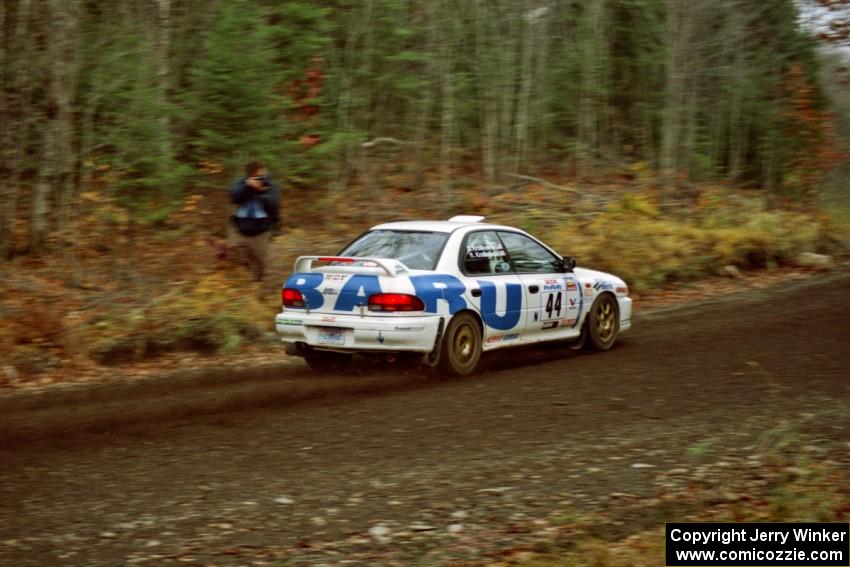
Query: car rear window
[418, 250]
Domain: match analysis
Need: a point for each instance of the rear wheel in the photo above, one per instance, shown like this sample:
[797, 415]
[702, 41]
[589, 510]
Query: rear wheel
[603, 324]
[461, 346]
[327, 361]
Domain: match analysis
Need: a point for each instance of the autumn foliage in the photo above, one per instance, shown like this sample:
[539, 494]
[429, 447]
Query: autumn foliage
[815, 147]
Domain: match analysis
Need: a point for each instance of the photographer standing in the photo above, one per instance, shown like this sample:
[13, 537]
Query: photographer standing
[256, 217]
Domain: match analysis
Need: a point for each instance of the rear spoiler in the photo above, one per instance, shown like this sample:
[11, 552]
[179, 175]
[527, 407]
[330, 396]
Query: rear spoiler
[392, 268]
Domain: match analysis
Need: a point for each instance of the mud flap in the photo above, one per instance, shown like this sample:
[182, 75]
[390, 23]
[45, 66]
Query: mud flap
[579, 343]
[433, 357]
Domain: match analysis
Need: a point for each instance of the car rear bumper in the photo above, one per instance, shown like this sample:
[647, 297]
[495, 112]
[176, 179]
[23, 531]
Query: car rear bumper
[625, 304]
[355, 333]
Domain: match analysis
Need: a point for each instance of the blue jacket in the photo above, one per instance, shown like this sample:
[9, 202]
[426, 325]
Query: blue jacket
[257, 212]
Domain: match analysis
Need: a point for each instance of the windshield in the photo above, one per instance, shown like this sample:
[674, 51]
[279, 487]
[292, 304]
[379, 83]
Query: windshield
[416, 250]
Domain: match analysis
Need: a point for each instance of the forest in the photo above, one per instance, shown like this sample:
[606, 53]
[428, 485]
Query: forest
[123, 123]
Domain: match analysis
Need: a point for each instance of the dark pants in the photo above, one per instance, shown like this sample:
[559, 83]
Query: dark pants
[253, 251]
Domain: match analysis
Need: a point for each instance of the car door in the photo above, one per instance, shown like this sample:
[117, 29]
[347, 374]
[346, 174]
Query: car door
[492, 287]
[553, 299]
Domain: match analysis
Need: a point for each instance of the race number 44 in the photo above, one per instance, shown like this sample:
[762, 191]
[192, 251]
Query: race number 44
[553, 306]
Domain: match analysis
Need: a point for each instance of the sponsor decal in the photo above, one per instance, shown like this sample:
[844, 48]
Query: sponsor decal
[572, 301]
[603, 285]
[290, 322]
[329, 291]
[307, 283]
[588, 292]
[485, 251]
[552, 287]
[571, 285]
[328, 319]
[568, 322]
[335, 277]
[551, 282]
[356, 291]
[550, 325]
[511, 337]
[494, 339]
[432, 289]
[513, 308]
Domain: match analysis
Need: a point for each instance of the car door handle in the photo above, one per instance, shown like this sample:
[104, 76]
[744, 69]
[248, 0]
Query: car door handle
[533, 289]
[475, 292]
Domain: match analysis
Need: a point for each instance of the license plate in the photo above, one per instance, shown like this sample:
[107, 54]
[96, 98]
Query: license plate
[331, 336]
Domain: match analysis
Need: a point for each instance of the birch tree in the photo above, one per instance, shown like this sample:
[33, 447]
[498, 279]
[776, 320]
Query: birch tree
[55, 165]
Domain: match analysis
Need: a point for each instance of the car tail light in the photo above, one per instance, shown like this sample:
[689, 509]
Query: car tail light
[291, 297]
[395, 302]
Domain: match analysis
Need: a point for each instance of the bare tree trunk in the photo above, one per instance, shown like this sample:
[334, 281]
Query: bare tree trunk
[345, 113]
[369, 160]
[65, 88]
[540, 125]
[526, 79]
[507, 38]
[55, 167]
[487, 103]
[678, 29]
[726, 131]
[163, 76]
[38, 213]
[16, 139]
[446, 123]
[7, 154]
[48, 160]
[417, 174]
[593, 42]
[65, 131]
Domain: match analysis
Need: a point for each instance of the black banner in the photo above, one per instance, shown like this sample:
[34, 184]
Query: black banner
[757, 544]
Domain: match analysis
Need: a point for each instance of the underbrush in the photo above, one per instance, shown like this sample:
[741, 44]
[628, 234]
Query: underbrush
[634, 240]
[181, 290]
[216, 314]
[46, 326]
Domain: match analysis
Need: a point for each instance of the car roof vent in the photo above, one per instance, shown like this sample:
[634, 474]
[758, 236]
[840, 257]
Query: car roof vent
[466, 218]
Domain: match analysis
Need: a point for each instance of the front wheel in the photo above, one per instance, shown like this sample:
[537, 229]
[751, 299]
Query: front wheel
[603, 324]
[460, 350]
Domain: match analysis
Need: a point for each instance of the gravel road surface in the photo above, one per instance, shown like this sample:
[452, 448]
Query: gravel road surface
[399, 472]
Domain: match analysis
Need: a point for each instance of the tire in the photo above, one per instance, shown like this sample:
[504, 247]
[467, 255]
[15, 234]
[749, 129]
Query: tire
[603, 324]
[460, 349]
[327, 361]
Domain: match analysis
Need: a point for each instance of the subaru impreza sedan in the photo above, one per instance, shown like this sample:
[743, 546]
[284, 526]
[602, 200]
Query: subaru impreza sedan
[448, 291]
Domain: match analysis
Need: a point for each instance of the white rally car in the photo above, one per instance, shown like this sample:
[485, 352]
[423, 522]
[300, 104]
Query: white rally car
[447, 290]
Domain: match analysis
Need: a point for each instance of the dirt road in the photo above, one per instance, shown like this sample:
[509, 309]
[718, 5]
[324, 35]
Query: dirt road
[540, 431]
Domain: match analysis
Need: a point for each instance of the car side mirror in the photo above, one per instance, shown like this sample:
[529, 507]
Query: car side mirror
[568, 263]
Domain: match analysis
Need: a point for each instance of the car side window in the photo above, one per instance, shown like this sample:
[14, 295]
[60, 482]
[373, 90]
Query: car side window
[484, 254]
[528, 256]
